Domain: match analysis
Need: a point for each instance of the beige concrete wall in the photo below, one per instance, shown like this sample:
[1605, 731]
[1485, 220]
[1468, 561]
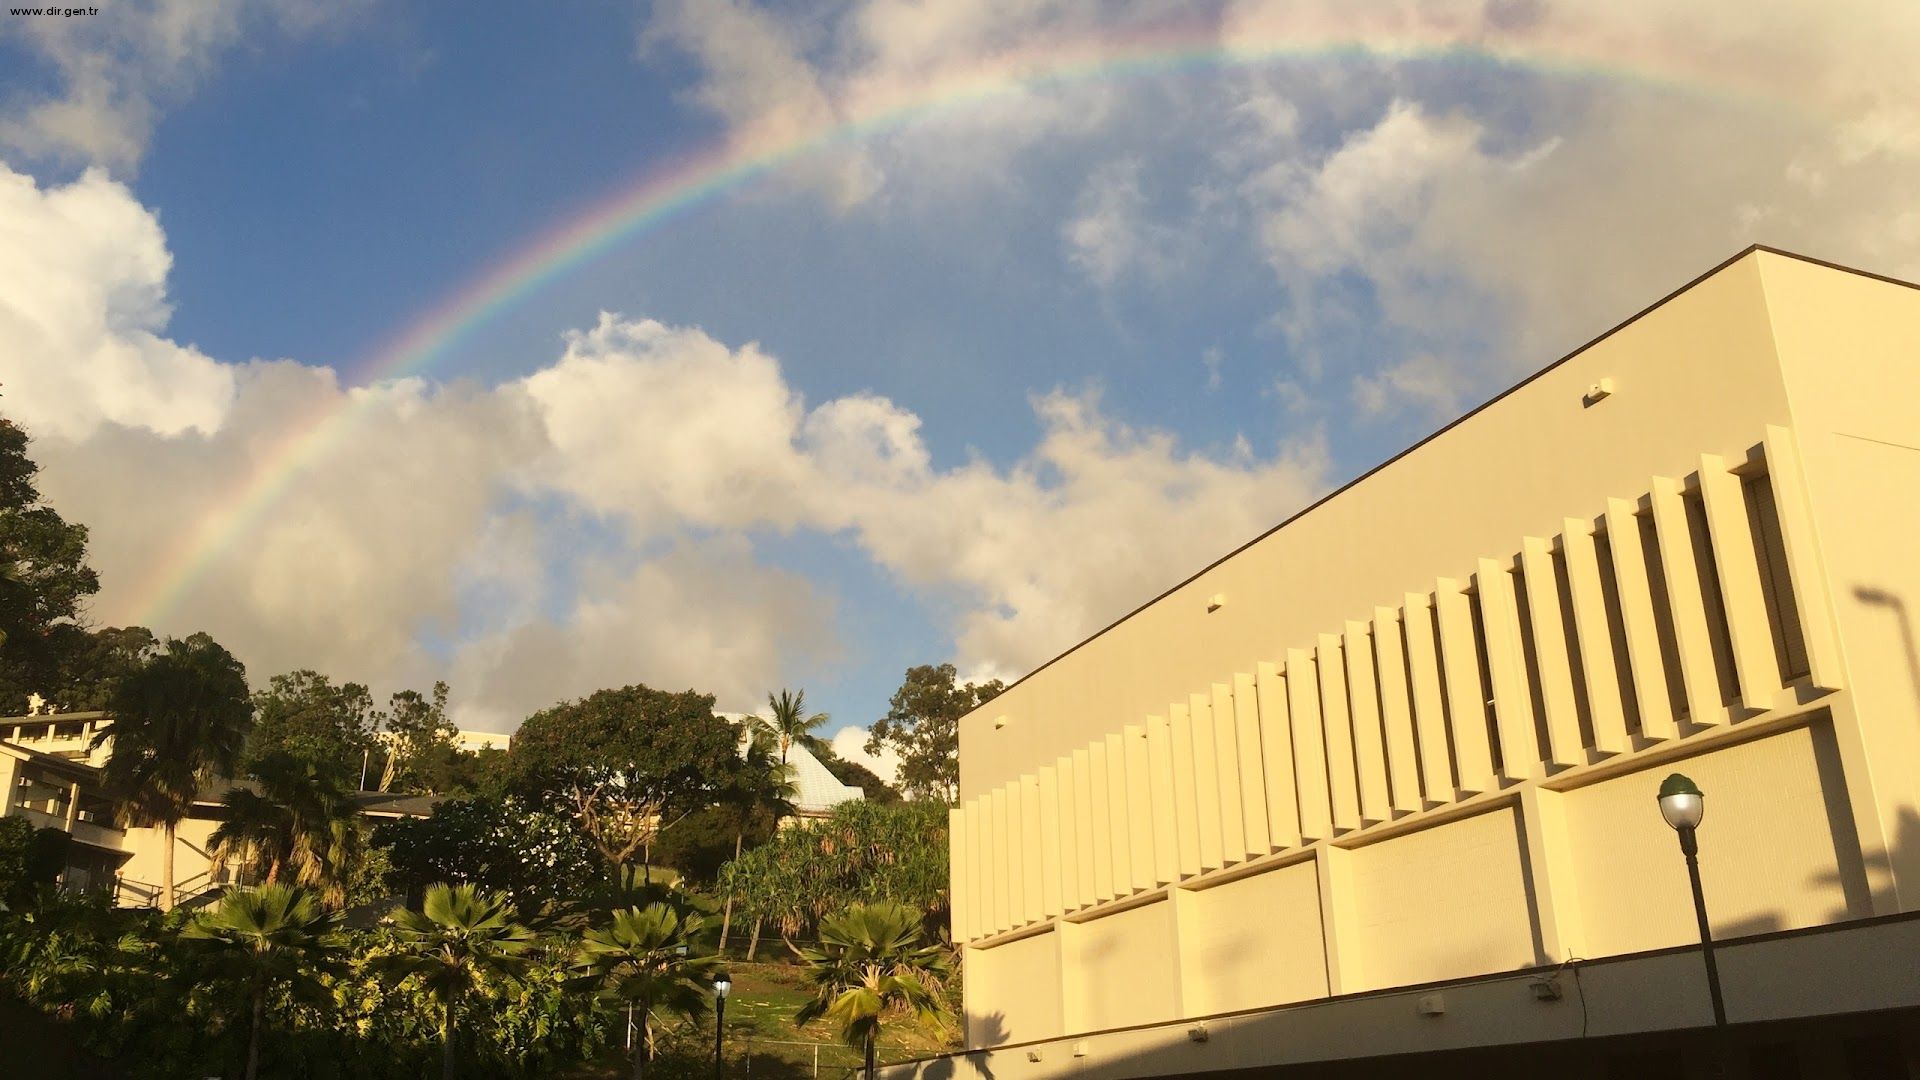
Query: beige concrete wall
[191, 862]
[1441, 903]
[1121, 969]
[1782, 795]
[1013, 991]
[1253, 941]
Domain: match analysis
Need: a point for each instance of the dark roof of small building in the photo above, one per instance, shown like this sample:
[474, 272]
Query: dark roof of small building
[396, 804]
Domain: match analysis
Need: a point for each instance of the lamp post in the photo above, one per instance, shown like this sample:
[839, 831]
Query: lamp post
[721, 985]
[1683, 805]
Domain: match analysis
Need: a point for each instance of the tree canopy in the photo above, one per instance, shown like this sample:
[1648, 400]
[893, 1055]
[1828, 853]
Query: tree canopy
[44, 581]
[862, 852]
[303, 715]
[923, 726]
[626, 762]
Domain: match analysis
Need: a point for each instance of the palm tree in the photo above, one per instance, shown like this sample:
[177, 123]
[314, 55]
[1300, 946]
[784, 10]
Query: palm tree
[760, 783]
[646, 958]
[302, 822]
[179, 720]
[459, 938]
[267, 936]
[872, 961]
[790, 723]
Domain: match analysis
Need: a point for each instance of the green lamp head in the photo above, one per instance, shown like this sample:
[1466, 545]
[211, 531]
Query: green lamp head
[1681, 802]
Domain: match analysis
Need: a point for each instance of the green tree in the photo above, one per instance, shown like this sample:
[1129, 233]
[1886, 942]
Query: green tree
[419, 738]
[44, 581]
[266, 937]
[30, 860]
[539, 856]
[301, 822]
[874, 961]
[790, 724]
[95, 665]
[459, 939]
[626, 763]
[179, 720]
[760, 789]
[649, 958]
[863, 852]
[922, 725]
[302, 714]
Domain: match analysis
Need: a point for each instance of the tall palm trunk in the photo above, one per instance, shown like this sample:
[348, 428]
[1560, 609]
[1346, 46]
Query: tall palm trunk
[870, 1048]
[726, 916]
[253, 1041]
[753, 941]
[446, 1040]
[166, 866]
[641, 1041]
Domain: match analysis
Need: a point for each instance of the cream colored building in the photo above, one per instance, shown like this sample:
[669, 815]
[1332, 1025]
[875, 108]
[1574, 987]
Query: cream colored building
[1382, 781]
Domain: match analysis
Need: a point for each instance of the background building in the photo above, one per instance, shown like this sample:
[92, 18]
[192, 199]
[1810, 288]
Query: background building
[1382, 782]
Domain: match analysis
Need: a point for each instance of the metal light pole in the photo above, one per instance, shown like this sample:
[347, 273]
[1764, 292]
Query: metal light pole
[1683, 805]
[721, 986]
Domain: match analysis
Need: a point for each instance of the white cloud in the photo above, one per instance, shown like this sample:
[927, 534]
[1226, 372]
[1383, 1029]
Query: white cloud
[116, 70]
[1112, 235]
[83, 311]
[851, 744]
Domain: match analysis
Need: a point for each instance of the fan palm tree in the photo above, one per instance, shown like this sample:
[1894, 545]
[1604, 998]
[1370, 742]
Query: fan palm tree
[458, 939]
[179, 720]
[790, 723]
[648, 958]
[300, 823]
[265, 937]
[873, 961]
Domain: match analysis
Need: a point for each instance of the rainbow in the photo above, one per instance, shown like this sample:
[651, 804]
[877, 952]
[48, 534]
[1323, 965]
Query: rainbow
[702, 176]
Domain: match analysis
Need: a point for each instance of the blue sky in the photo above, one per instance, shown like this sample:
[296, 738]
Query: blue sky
[930, 394]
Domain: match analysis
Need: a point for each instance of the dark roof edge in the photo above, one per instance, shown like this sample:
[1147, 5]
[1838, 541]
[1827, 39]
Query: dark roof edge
[1461, 419]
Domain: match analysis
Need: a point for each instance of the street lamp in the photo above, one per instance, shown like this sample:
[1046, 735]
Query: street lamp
[721, 986]
[1682, 804]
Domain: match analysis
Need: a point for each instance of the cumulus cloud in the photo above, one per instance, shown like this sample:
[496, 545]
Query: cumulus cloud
[83, 312]
[1112, 233]
[113, 73]
[592, 523]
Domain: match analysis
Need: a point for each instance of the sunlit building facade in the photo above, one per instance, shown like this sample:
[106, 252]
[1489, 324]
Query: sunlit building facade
[1375, 793]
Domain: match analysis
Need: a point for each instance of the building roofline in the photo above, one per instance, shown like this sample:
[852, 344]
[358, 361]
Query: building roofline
[1456, 422]
[80, 769]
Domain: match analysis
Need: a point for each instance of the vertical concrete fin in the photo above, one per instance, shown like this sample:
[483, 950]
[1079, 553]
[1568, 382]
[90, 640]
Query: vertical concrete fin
[1206, 780]
[1100, 804]
[1594, 635]
[1002, 863]
[1068, 779]
[1429, 708]
[1084, 823]
[1520, 754]
[1550, 648]
[1226, 743]
[1396, 710]
[1276, 758]
[1466, 698]
[1122, 857]
[1309, 752]
[1687, 603]
[960, 862]
[1335, 719]
[1166, 842]
[1140, 828]
[1363, 701]
[1803, 559]
[1049, 782]
[1636, 612]
[1731, 536]
[1253, 784]
[1032, 872]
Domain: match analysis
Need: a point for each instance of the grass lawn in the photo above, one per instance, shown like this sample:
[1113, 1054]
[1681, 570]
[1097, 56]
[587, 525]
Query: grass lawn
[762, 1043]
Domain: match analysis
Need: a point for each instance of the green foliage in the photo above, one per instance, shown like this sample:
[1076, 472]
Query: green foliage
[536, 856]
[179, 719]
[460, 940]
[653, 959]
[626, 762]
[863, 852]
[303, 715]
[266, 940]
[874, 961]
[790, 724]
[923, 726]
[301, 823]
[30, 860]
[421, 754]
[705, 840]
[44, 581]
